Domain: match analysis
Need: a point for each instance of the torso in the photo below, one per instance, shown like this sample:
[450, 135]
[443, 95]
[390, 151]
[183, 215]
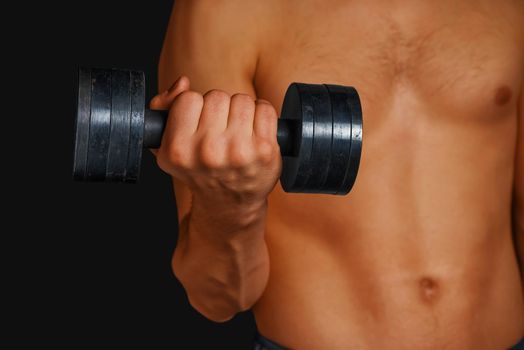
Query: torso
[420, 254]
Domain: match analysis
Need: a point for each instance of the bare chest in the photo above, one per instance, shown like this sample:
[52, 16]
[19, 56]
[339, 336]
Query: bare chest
[457, 59]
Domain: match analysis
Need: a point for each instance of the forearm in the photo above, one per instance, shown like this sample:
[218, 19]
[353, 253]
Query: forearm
[221, 257]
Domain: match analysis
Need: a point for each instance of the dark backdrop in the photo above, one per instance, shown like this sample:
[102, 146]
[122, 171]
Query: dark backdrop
[93, 268]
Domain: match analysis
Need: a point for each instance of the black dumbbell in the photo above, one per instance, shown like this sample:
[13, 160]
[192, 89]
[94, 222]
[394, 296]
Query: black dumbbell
[319, 132]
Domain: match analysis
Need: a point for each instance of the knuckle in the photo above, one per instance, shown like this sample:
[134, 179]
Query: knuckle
[216, 101]
[190, 97]
[178, 157]
[242, 99]
[240, 155]
[266, 151]
[173, 156]
[209, 154]
[216, 96]
[242, 107]
[266, 109]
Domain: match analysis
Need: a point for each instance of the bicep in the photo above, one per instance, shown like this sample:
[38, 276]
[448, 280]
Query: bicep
[519, 168]
[207, 42]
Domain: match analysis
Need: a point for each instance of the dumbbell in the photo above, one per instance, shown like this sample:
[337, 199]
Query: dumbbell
[319, 132]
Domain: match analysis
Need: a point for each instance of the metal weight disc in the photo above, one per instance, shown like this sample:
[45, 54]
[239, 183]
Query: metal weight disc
[318, 165]
[306, 171]
[82, 125]
[353, 101]
[99, 124]
[326, 152]
[120, 122]
[293, 178]
[346, 119]
[109, 125]
[136, 137]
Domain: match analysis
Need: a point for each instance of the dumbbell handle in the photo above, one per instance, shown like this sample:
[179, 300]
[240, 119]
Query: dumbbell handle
[155, 122]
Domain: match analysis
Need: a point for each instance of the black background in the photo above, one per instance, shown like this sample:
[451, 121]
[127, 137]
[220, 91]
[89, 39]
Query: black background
[89, 264]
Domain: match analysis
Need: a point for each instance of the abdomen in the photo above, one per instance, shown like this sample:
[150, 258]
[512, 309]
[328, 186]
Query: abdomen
[418, 256]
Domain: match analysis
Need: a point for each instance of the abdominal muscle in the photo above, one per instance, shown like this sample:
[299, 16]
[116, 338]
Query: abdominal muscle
[418, 256]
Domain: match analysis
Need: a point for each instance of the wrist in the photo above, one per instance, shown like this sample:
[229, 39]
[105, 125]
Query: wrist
[226, 218]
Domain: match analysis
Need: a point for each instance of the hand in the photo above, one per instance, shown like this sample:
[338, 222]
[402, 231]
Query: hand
[224, 148]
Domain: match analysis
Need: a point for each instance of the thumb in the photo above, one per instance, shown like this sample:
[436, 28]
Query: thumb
[165, 99]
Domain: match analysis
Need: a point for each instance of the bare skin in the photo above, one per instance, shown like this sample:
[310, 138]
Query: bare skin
[423, 254]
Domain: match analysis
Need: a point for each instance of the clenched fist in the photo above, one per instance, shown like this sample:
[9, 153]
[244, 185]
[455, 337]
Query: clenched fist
[224, 148]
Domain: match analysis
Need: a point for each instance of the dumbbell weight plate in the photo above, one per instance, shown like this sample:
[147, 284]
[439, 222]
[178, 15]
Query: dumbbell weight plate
[109, 126]
[82, 125]
[347, 139]
[120, 126]
[326, 158]
[355, 108]
[307, 168]
[99, 125]
[136, 137]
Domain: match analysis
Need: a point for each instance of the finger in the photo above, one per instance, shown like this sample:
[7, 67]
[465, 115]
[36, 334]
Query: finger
[165, 99]
[214, 113]
[241, 115]
[183, 118]
[266, 120]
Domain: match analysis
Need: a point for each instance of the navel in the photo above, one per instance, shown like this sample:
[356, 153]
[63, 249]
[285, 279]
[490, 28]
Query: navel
[429, 289]
[502, 95]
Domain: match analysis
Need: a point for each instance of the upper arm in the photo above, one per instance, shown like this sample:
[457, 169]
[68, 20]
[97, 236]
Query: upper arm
[214, 43]
[519, 168]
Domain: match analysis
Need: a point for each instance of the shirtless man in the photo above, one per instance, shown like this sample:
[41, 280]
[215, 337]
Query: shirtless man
[423, 253]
